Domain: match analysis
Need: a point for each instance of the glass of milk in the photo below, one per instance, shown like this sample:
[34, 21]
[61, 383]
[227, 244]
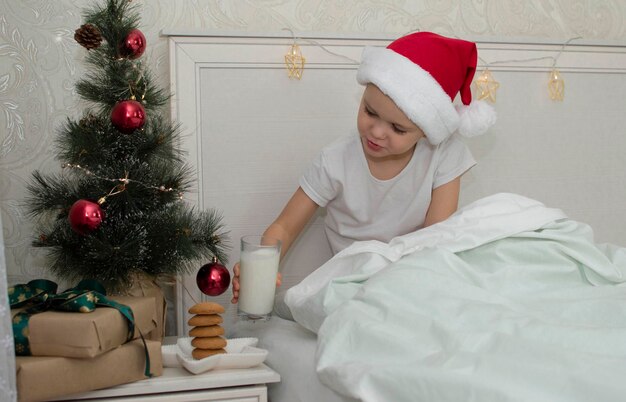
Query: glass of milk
[258, 268]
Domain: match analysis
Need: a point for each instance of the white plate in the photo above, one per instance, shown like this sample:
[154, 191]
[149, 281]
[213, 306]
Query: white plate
[169, 356]
[240, 353]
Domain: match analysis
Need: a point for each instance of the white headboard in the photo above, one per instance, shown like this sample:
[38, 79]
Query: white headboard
[250, 131]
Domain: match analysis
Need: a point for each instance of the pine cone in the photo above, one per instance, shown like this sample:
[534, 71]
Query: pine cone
[88, 36]
[89, 121]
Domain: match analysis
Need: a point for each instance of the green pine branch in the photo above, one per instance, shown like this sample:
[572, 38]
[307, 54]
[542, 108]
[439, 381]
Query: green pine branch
[114, 20]
[118, 80]
[93, 140]
[138, 178]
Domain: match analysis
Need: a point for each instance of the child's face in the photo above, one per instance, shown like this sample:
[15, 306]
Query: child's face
[386, 132]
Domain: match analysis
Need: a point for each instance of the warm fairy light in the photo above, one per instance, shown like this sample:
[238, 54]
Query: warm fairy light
[119, 187]
[486, 86]
[294, 61]
[556, 86]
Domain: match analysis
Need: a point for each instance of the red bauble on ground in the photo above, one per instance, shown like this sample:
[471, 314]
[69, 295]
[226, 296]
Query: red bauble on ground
[85, 216]
[133, 45]
[128, 116]
[213, 279]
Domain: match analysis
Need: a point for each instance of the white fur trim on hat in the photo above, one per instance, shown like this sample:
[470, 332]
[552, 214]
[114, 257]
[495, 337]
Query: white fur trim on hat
[412, 89]
[475, 118]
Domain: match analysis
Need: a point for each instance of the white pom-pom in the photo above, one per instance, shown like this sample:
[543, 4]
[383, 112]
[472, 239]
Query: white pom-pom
[475, 118]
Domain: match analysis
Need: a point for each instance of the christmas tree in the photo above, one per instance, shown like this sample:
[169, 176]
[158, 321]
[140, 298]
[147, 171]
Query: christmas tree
[115, 211]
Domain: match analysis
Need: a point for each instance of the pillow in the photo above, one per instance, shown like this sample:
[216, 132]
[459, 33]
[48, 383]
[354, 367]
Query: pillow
[280, 307]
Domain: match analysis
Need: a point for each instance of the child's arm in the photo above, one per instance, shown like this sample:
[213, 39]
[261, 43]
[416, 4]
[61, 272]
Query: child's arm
[292, 219]
[444, 202]
[295, 215]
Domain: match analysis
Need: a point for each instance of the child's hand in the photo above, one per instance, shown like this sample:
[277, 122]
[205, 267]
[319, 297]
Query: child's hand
[279, 281]
[235, 284]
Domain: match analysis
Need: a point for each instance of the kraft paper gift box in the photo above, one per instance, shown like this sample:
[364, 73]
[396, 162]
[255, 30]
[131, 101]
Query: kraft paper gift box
[150, 288]
[42, 377]
[86, 335]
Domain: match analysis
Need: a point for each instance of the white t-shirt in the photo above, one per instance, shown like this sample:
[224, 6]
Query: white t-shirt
[362, 207]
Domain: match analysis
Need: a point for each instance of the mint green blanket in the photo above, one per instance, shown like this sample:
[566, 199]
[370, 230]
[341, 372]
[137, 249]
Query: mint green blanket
[537, 315]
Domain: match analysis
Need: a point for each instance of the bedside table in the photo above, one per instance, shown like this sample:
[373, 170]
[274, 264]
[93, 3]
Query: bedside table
[178, 385]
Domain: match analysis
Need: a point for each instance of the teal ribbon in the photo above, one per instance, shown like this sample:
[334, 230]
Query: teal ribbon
[40, 295]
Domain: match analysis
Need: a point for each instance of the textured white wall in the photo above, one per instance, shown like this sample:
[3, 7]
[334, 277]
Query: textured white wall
[40, 62]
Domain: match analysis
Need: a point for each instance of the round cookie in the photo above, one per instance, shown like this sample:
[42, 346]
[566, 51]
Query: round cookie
[209, 342]
[202, 353]
[206, 308]
[205, 320]
[211, 330]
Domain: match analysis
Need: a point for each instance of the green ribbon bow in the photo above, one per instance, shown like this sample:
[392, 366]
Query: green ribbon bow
[40, 295]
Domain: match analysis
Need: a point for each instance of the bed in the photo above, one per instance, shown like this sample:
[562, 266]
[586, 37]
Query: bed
[283, 337]
[506, 300]
[551, 154]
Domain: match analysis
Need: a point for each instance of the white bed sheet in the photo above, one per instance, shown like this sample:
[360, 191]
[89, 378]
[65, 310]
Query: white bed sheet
[292, 354]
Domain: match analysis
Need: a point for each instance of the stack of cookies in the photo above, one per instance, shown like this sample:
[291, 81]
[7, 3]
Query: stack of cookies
[206, 330]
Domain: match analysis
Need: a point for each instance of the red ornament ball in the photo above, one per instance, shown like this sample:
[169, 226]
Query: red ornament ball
[213, 279]
[128, 116]
[85, 217]
[133, 45]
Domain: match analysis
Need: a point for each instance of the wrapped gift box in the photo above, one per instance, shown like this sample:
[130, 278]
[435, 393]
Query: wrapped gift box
[41, 377]
[60, 333]
[149, 288]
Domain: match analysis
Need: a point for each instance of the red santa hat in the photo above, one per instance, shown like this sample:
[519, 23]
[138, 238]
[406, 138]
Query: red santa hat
[422, 73]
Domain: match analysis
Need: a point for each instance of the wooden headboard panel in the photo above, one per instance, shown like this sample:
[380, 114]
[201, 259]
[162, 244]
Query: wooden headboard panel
[250, 131]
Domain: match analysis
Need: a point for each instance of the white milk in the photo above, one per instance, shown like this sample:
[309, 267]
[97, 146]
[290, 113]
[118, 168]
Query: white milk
[257, 279]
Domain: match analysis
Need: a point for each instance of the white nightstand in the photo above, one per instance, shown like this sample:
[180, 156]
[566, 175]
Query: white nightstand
[177, 385]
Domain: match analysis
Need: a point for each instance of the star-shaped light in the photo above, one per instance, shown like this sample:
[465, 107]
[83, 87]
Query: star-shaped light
[556, 86]
[486, 86]
[294, 61]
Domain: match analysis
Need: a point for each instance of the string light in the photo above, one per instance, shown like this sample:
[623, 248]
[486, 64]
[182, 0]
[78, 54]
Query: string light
[121, 183]
[486, 86]
[133, 86]
[294, 61]
[119, 188]
[138, 67]
[556, 86]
